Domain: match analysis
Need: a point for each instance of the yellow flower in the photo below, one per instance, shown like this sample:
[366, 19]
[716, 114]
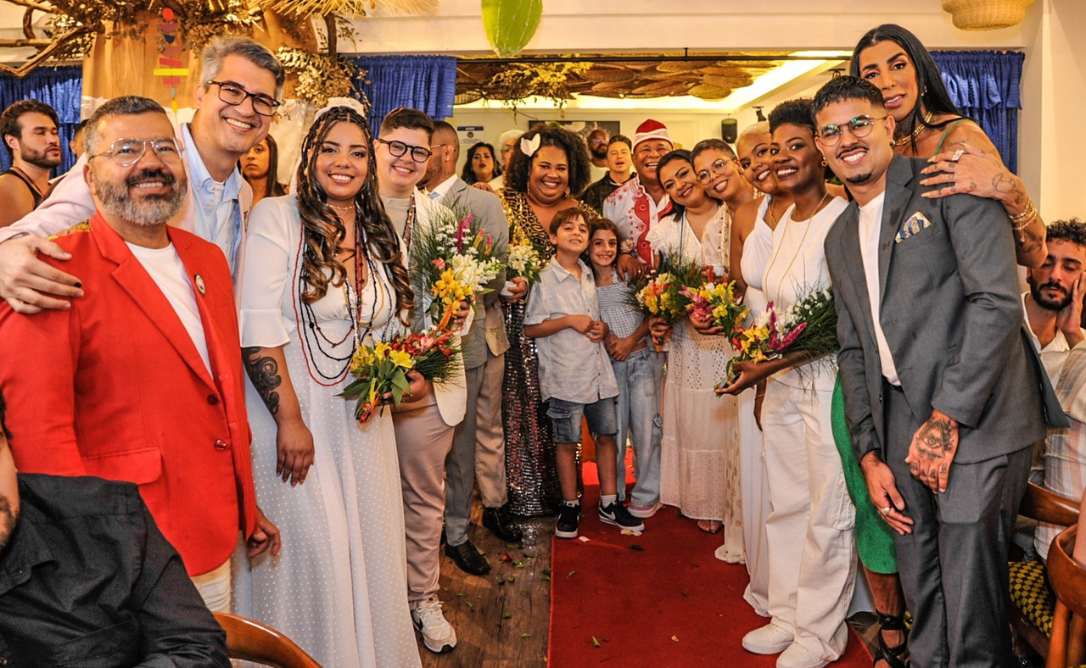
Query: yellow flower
[380, 350]
[402, 358]
[361, 359]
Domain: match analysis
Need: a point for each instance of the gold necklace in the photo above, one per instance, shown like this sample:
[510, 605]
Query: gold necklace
[342, 208]
[817, 207]
[901, 141]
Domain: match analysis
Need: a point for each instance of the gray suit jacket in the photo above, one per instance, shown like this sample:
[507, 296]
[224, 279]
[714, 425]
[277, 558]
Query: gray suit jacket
[489, 326]
[952, 316]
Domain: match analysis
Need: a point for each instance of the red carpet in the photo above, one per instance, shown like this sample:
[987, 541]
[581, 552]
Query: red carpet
[669, 603]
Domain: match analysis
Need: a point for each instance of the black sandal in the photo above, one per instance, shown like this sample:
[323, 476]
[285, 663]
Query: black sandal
[895, 657]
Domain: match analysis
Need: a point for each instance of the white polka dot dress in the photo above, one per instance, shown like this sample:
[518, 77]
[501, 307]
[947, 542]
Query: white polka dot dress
[339, 586]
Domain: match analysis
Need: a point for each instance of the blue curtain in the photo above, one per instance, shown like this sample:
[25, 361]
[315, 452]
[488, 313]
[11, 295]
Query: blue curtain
[984, 85]
[62, 89]
[420, 82]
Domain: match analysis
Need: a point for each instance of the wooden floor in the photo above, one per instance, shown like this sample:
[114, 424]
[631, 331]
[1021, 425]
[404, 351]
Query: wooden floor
[501, 619]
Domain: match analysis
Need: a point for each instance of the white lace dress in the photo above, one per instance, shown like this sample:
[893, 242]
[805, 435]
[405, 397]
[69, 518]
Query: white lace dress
[339, 586]
[699, 452]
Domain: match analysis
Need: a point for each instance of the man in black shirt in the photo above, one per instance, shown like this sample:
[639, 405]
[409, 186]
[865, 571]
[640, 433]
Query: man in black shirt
[619, 171]
[86, 579]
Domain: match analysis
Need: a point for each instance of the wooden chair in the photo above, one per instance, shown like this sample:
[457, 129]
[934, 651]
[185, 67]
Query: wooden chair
[1068, 643]
[248, 640]
[1032, 607]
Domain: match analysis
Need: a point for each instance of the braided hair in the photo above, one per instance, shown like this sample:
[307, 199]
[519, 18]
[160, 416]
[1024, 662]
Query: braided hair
[324, 231]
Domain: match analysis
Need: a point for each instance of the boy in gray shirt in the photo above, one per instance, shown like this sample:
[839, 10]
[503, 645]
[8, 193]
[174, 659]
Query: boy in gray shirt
[575, 375]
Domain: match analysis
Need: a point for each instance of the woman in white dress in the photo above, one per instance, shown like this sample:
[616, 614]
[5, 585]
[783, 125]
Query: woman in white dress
[324, 272]
[699, 452]
[812, 557]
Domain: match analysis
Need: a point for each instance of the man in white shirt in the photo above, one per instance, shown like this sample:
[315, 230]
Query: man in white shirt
[1053, 305]
[639, 203]
[240, 85]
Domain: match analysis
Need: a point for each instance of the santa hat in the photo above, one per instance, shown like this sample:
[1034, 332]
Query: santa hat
[651, 129]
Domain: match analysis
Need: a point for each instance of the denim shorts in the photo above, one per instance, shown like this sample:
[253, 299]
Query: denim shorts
[566, 419]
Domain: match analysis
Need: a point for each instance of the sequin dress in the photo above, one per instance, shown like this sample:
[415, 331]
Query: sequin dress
[530, 470]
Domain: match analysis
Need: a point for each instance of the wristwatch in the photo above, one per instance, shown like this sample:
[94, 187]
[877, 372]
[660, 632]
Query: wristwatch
[627, 246]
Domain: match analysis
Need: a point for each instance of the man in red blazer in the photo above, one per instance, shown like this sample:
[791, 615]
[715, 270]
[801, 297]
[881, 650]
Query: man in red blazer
[141, 379]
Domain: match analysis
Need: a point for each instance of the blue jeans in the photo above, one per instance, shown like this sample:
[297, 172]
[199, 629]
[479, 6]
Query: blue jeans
[639, 415]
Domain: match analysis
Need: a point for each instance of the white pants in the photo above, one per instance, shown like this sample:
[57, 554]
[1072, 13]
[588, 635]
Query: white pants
[214, 588]
[752, 476]
[812, 557]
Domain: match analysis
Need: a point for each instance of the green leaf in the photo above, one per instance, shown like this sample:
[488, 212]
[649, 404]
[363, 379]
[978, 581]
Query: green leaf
[526, 635]
[570, 574]
[595, 643]
[400, 380]
[510, 579]
[546, 578]
[507, 615]
[470, 604]
[461, 595]
[397, 395]
[510, 24]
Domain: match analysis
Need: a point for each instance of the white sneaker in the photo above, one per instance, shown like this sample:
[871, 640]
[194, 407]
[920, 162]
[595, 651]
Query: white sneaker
[437, 634]
[644, 512]
[770, 639]
[798, 656]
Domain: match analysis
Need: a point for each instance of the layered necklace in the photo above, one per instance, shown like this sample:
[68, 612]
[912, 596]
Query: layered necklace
[902, 141]
[799, 247]
[320, 350]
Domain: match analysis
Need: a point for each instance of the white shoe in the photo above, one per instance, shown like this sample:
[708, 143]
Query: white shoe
[644, 512]
[798, 656]
[770, 639]
[437, 634]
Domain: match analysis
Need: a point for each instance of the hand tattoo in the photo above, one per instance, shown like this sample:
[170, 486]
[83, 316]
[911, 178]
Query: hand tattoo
[1002, 183]
[264, 372]
[935, 439]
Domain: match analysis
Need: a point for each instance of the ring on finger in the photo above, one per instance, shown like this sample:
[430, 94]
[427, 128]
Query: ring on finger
[957, 155]
[885, 511]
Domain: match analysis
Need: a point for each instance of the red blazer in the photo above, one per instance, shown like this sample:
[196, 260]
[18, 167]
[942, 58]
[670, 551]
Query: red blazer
[114, 388]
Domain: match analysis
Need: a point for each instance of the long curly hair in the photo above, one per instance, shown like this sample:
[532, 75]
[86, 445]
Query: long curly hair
[580, 173]
[323, 230]
[929, 81]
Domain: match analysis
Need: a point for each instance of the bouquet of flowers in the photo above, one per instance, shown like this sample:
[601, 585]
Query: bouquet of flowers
[717, 304]
[523, 261]
[665, 293]
[381, 369]
[452, 259]
[808, 327]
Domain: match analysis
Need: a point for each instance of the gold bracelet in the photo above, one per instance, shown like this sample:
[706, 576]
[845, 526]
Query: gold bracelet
[1025, 222]
[1028, 213]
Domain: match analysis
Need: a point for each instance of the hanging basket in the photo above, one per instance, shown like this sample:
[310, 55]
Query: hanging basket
[986, 14]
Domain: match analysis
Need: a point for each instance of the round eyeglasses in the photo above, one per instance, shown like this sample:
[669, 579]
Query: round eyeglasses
[127, 152]
[397, 149]
[235, 95]
[718, 167]
[860, 127]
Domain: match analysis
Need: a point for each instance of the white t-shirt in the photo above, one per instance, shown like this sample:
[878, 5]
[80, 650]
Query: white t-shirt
[870, 222]
[796, 268]
[165, 267]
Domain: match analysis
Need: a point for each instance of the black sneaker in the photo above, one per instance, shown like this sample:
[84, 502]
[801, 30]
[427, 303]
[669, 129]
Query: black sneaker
[617, 515]
[568, 519]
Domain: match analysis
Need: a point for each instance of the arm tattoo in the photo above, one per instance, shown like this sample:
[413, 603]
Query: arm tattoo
[935, 439]
[264, 372]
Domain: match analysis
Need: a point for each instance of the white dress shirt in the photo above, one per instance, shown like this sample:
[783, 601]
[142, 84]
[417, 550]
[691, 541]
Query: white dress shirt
[870, 222]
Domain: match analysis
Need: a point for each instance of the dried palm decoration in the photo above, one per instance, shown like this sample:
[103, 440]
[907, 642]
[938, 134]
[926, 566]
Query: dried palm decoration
[320, 76]
[304, 9]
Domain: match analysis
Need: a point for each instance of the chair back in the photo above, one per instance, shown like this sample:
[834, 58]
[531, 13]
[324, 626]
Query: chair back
[248, 640]
[1068, 579]
[1045, 506]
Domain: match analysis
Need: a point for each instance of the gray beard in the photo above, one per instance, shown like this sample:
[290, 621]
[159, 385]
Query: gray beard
[116, 199]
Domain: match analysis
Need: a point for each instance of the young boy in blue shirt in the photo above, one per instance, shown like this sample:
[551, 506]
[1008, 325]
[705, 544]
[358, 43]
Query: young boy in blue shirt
[575, 375]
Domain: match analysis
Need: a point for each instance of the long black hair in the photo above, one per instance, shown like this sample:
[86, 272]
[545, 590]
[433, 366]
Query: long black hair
[929, 81]
[272, 187]
[678, 154]
[324, 231]
[468, 174]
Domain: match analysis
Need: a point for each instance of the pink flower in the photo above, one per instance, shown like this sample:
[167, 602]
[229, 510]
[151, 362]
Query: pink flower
[440, 264]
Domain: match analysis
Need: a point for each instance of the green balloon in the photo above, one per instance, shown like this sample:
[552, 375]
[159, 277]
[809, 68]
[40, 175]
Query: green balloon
[510, 24]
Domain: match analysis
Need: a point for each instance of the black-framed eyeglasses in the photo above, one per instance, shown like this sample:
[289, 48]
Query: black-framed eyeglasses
[397, 149]
[718, 167]
[859, 127]
[127, 152]
[235, 95]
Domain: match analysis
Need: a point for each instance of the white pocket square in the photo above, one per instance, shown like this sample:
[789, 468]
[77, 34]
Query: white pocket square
[913, 225]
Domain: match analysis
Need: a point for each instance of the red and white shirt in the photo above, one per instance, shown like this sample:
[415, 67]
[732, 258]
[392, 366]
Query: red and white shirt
[635, 213]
